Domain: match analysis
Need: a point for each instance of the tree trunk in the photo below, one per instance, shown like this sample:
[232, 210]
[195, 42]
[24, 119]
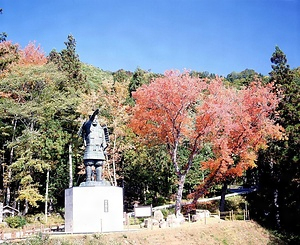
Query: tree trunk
[46, 197]
[222, 201]
[277, 213]
[275, 193]
[9, 178]
[114, 162]
[179, 193]
[8, 194]
[26, 207]
[70, 167]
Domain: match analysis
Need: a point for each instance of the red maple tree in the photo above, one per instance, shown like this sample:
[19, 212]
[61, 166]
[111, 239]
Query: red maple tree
[32, 55]
[243, 121]
[177, 108]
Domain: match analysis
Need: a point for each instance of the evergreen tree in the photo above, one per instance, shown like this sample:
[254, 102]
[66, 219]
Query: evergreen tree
[69, 62]
[278, 170]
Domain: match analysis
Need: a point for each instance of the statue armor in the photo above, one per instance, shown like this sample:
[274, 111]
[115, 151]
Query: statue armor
[95, 141]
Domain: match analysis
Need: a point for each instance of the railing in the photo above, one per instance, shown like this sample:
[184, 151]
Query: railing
[233, 215]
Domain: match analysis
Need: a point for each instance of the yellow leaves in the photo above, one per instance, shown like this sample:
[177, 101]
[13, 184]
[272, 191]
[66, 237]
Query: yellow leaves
[26, 180]
[31, 194]
[37, 164]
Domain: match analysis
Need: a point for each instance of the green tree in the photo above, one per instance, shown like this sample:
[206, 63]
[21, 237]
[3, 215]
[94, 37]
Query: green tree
[122, 76]
[74, 87]
[244, 78]
[44, 126]
[147, 175]
[204, 74]
[69, 62]
[140, 77]
[278, 175]
[27, 88]
[3, 37]
[8, 55]
[281, 73]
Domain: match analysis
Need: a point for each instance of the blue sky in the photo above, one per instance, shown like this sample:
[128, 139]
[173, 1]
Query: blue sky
[218, 36]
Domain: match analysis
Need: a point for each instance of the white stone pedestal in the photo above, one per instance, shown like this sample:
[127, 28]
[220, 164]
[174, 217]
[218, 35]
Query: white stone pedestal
[93, 209]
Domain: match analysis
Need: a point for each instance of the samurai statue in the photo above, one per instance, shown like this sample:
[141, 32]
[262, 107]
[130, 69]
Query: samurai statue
[95, 138]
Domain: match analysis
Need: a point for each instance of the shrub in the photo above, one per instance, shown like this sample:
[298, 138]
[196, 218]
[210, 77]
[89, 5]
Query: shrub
[236, 203]
[167, 212]
[211, 206]
[15, 221]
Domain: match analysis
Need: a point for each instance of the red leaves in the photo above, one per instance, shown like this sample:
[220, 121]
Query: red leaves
[236, 123]
[162, 107]
[32, 55]
[241, 124]
[11, 54]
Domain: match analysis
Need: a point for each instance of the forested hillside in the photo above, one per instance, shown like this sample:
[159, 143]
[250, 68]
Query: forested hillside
[173, 136]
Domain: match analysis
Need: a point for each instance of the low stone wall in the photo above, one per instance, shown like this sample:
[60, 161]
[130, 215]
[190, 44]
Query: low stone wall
[29, 232]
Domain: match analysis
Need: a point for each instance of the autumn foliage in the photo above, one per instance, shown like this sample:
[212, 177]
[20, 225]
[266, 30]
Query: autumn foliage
[162, 108]
[11, 54]
[178, 108]
[242, 122]
[32, 55]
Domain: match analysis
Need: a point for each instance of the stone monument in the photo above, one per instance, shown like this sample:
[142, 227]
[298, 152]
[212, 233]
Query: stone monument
[94, 206]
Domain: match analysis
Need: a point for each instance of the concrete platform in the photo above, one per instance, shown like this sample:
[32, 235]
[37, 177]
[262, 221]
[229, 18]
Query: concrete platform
[93, 209]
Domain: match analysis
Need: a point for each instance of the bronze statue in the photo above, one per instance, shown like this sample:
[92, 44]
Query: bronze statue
[95, 139]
